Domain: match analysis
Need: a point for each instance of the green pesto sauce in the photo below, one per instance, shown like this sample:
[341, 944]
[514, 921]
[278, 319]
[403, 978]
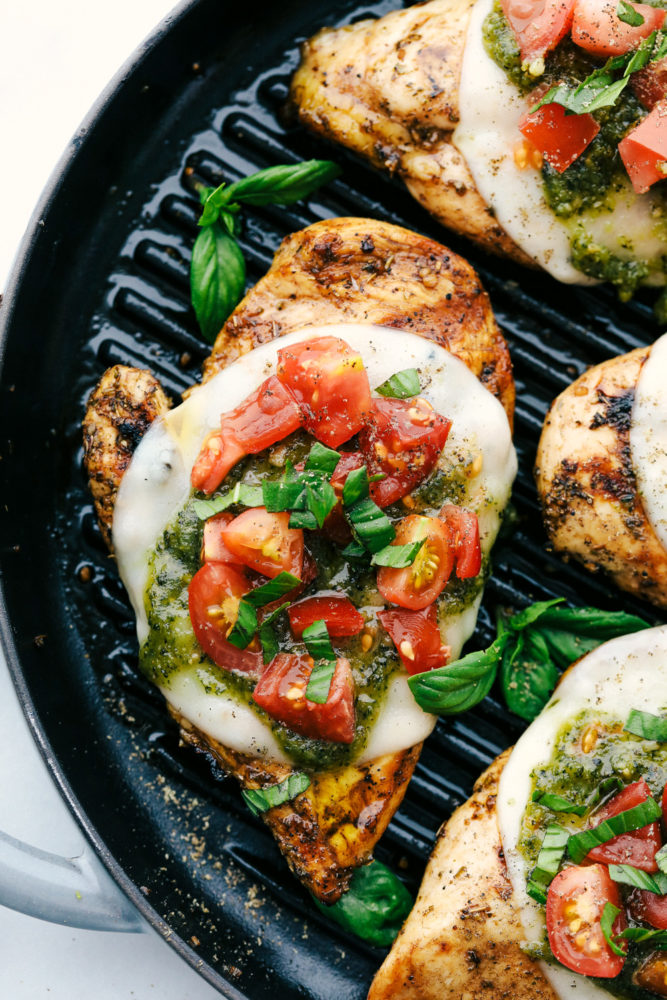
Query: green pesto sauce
[589, 186]
[576, 775]
[171, 645]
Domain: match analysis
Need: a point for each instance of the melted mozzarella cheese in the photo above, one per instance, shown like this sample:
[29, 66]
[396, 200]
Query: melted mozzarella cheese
[648, 438]
[157, 484]
[626, 673]
[490, 107]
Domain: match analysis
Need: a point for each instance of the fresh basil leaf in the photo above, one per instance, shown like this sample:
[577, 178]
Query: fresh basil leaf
[402, 385]
[531, 614]
[551, 855]
[606, 787]
[571, 632]
[321, 500]
[609, 914]
[646, 725]
[355, 550]
[643, 935]
[323, 459]
[217, 278]
[628, 875]
[269, 641]
[558, 804]
[460, 685]
[580, 844]
[283, 184]
[245, 625]
[245, 496]
[282, 494]
[398, 556]
[536, 891]
[259, 800]
[319, 682]
[355, 487]
[626, 12]
[371, 525]
[374, 907]
[271, 591]
[642, 55]
[527, 674]
[661, 859]
[303, 519]
[318, 643]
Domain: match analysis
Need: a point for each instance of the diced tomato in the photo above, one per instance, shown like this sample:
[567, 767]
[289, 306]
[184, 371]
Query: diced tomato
[337, 612]
[650, 83]
[330, 383]
[281, 691]
[417, 638]
[213, 548]
[538, 25]
[348, 462]
[597, 28]
[561, 138]
[213, 599]
[219, 453]
[336, 525]
[649, 908]
[575, 901]
[637, 848]
[418, 585]
[652, 974]
[644, 150]
[265, 542]
[463, 528]
[403, 439]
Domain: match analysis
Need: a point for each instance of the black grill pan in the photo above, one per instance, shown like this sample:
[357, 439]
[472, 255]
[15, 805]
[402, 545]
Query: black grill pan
[103, 278]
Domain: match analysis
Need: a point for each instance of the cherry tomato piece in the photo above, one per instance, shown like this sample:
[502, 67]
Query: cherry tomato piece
[652, 974]
[219, 453]
[213, 599]
[650, 83]
[336, 526]
[463, 528]
[538, 25]
[646, 907]
[644, 150]
[597, 28]
[575, 901]
[403, 440]
[637, 848]
[560, 137]
[331, 385]
[417, 638]
[337, 612]
[281, 691]
[265, 542]
[418, 585]
[213, 548]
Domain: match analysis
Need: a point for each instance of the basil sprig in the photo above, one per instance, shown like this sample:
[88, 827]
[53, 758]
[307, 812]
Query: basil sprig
[217, 269]
[402, 385]
[530, 649]
[258, 800]
[582, 843]
[308, 495]
[374, 907]
[647, 725]
[549, 859]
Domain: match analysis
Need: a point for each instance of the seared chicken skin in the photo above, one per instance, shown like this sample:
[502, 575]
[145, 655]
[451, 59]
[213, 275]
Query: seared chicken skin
[462, 937]
[336, 271]
[585, 478]
[388, 89]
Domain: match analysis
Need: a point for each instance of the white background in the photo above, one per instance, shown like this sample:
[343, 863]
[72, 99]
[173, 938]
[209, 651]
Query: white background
[56, 56]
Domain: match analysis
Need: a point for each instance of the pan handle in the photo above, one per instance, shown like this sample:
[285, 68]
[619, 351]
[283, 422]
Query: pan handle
[77, 892]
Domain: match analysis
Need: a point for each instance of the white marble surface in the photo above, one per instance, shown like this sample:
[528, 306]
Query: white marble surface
[55, 58]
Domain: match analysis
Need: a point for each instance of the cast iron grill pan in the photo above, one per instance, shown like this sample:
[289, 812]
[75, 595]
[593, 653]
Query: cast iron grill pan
[104, 279]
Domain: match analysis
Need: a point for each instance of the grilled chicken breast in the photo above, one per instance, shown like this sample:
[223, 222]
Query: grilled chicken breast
[462, 937]
[585, 478]
[340, 270]
[388, 89]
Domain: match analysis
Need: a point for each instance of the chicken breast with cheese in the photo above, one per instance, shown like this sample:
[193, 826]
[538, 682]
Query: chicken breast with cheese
[399, 301]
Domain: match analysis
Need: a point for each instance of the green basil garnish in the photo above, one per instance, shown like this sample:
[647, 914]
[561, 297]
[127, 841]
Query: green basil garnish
[355, 550]
[460, 685]
[398, 556]
[217, 278]
[245, 626]
[638, 879]
[626, 12]
[318, 643]
[371, 525]
[609, 914]
[549, 860]
[245, 496]
[581, 844]
[303, 519]
[558, 804]
[355, 487]
[319, 682]
[267, 636]
[259, 800]
[642, 935]
[661, 859]
[402, 385]
[604, 789]
[374, 907]
[528, 675]
[271, 591]
[646, 725]
[280, 185]
[323, 459]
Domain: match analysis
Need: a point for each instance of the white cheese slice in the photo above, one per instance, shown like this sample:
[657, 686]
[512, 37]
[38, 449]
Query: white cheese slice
[648, 438]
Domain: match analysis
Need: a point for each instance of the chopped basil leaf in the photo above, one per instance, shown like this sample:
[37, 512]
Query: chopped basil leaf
[318, 643]
[374, 907]
[247, 496]
[609, 914]
[319, 682]
[323, 459]
[558, 804]
[661, 859]
[321, 499]
[626, 12]
[580, 844]
[371, 525]
[271, 591]
[402, 385]
[267, 636]
[355, 487]
[281, 494]
[398, 556]
[259, 800]
[536, 891]
[642, 935]
[460, 685]
[245, 625]
[303, 519]
[551, 854]
[628, 875]
[650, 727]
[355, 550]
[604, 789]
